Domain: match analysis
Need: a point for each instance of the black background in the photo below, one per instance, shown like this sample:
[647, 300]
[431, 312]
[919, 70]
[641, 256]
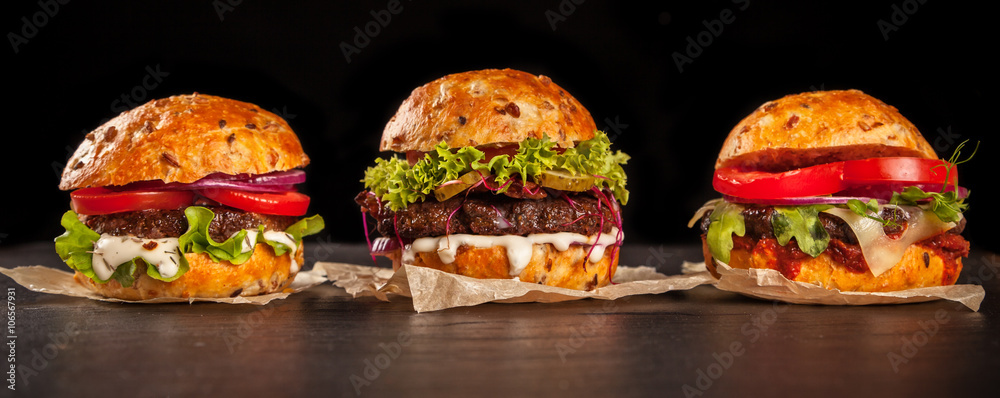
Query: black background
[618, 58]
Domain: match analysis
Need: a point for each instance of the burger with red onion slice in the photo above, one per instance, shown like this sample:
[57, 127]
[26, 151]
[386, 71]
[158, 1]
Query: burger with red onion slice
[836, 188]
[504, 176]
[187, 196]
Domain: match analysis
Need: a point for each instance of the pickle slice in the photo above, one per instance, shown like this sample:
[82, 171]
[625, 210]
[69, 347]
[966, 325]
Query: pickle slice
[452, 188]
[565, 181]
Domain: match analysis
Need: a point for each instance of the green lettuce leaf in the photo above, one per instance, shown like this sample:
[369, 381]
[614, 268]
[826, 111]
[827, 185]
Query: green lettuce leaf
[394, 181]
[182, 267]
[304, 227]
[726, 219]
[803, 224]
[124, 273]
[945, 205]
[869, 210]
[76, 244]
[594, 157]
[75, 247]
[198, 240]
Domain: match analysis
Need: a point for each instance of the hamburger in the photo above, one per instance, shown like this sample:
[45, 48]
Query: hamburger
[837, 189]
[188, 196]
[502, 174]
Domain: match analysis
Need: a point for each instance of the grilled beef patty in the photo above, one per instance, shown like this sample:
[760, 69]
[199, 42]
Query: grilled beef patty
[489, 214]
[156, 224]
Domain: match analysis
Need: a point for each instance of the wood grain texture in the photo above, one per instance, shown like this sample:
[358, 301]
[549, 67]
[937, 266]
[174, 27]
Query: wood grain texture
[316, 342]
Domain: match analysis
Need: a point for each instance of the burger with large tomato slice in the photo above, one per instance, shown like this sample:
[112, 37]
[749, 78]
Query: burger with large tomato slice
[504, 176]
[187, 196]
[837, 189]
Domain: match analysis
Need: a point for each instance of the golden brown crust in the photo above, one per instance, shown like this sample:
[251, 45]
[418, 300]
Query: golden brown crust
[818, 127]
[263, 273]
[486, 107]
[182, 139]
[910, 273]
[548, 266]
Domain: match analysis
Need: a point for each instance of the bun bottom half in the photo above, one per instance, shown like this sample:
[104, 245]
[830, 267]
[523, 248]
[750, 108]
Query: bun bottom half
[263, 273]
[569, 268]
[919, 267]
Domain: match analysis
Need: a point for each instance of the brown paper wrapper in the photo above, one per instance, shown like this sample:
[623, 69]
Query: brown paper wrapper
[769, 284]
[53, 281]
[433, 290]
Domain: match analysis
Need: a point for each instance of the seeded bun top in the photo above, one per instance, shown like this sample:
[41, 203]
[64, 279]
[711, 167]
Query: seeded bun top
[487, 107]
[820, 127]
[182, 139]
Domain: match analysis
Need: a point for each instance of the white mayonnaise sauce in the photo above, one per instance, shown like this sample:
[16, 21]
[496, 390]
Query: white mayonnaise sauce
[518, 247]
[112, 251]
[250, 241]
[286, 239]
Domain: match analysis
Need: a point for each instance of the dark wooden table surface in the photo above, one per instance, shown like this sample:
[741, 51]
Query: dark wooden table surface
[322, 342]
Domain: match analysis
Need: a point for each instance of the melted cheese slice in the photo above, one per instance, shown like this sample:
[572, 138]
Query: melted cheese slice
[882, 252]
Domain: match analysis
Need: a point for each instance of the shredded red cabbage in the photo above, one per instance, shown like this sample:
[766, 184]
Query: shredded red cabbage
[383, 246]
[524, 187]
[364, 221]
[506, 223]
[568, 199]
[447, 223]
[614, 206]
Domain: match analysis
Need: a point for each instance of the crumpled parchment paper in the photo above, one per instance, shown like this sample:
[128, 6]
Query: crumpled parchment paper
[53, 281]
[433, 290]
[769, 284]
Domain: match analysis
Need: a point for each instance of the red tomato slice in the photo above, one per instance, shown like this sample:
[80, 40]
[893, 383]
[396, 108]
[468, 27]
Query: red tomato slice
[824, 179]
[100, 200]
[831, 178]
[896, 170]
[288, 203]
